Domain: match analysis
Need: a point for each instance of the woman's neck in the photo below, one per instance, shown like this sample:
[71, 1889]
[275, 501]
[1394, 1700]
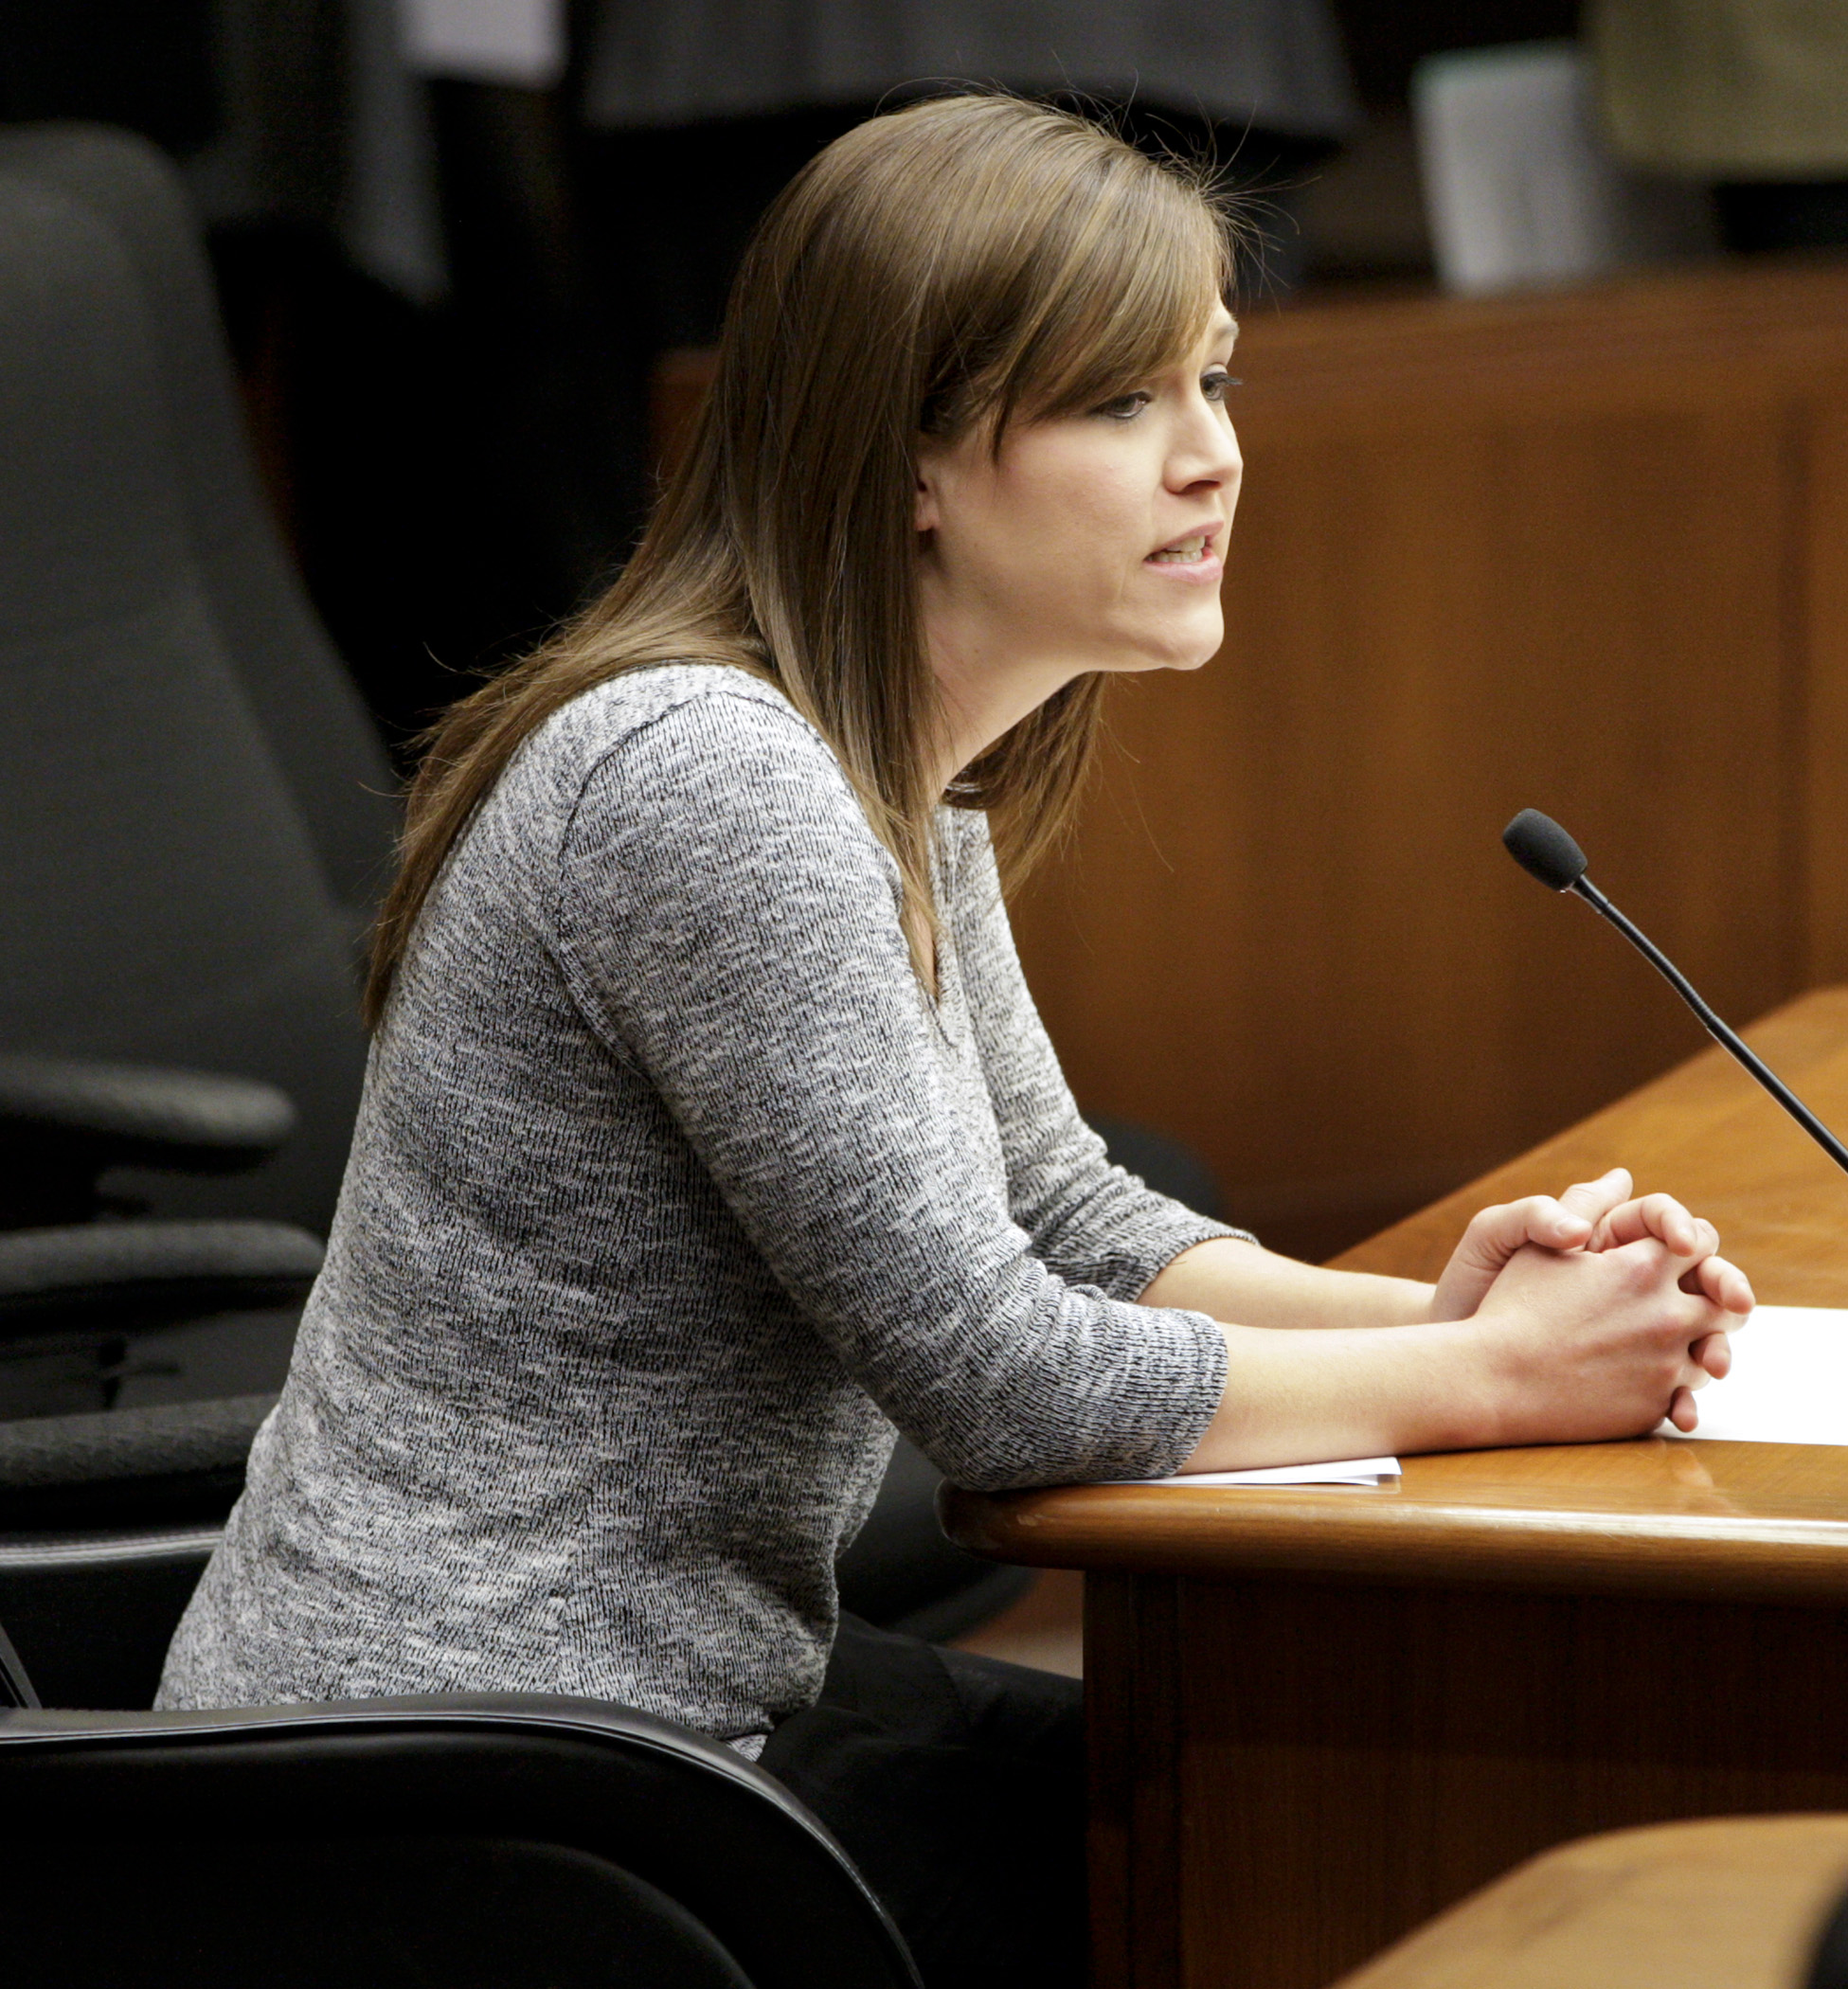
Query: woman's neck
[987, 688]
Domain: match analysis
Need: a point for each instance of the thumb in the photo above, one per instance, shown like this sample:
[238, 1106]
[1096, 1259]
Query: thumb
[1594, 1200]
[1497, 1233]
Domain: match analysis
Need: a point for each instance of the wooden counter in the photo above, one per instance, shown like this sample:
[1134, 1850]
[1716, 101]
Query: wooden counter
[1746, 1522]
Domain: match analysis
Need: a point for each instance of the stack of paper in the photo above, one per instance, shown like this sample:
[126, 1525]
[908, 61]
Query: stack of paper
[1788, 1383]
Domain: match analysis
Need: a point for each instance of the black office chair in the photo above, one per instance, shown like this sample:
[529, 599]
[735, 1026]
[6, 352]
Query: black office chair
[194, 811]
[477, 1843]
[505, 1841]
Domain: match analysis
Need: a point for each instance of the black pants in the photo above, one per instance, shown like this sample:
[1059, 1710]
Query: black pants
[957, 1786]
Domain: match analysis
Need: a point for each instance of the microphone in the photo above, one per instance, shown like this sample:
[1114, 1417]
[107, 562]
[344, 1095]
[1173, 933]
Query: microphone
[1543, 850]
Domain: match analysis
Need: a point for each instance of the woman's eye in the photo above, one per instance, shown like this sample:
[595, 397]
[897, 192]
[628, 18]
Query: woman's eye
[1125, 408]
[1213, 384]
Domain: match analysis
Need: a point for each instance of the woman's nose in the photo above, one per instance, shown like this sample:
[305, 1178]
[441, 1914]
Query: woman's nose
[1209, 453]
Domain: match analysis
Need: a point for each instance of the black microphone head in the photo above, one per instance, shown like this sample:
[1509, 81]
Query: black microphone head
[1543, 850]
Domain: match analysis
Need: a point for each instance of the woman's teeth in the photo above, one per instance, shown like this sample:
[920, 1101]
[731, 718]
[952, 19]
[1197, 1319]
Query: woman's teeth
[1188, 552]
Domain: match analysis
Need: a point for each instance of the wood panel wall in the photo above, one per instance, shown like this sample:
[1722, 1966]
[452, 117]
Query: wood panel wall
[1587, 552]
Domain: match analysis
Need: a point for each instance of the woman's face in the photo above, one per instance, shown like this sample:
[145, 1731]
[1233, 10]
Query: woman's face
[1094, 541]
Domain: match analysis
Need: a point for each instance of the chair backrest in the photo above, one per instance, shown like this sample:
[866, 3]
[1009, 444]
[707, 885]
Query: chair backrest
[193, 812]
[527, 1843]
[312, 716]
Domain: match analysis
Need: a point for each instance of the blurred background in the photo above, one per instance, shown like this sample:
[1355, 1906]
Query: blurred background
[454, 238]
[1544, 324]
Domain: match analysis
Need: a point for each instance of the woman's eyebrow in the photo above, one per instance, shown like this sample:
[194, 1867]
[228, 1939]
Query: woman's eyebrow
[1224, 329]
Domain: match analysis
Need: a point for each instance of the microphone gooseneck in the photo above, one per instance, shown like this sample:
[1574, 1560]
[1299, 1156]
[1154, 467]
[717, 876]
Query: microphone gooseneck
[1543, 850]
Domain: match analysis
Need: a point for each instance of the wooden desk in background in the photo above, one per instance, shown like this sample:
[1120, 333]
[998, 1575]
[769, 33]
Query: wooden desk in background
[1319, 1716]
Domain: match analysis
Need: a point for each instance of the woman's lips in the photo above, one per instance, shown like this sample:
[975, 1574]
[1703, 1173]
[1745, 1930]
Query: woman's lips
[1192, 556]
[1182, 552]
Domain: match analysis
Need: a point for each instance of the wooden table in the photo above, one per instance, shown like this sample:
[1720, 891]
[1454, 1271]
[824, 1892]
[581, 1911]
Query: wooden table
[1318, 1716]
[1728, 1904]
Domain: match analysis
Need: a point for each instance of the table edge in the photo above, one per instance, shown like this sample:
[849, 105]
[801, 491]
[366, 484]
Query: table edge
[1245, 1534]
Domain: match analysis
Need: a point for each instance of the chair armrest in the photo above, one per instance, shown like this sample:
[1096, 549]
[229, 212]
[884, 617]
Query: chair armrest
[157, 1272]
[521, 1714]
[168, 1463]
[75, 1113]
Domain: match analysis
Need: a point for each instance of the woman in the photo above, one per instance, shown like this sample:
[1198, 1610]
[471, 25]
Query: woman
[709, 1131]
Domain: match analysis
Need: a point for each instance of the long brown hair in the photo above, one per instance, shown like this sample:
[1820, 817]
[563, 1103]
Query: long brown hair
[965, 260]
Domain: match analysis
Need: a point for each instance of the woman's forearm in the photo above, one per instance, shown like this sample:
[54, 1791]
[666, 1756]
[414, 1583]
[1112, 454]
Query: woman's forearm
[1341, 1391]
[1294, 1397]
[1567, 1347]
[1241, 1283]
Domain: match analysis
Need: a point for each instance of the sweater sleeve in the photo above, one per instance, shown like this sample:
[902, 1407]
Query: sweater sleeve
[1092, 1222]
[727, 922]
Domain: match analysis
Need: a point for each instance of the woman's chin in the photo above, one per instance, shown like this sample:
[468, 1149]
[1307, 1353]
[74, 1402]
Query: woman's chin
[1130, 644]
[1195, 661]
[1182, 649]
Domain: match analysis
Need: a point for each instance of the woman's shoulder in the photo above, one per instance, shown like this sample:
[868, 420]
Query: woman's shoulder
[668, 759]
[665, 735]
[649, 698]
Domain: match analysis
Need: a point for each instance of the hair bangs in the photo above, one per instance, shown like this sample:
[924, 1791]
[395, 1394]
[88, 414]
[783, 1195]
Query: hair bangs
[1128, 294]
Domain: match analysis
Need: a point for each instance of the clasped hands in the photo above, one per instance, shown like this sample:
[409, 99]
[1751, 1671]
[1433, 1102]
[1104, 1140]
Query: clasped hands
[1655, 1310]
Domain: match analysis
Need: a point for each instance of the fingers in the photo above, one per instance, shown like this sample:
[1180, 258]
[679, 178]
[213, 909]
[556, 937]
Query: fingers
[1493, 1236]
[1706, 1301]
[1662, 1217]
[1713, 1356]
[1722, 1291]
[1723, 1287]
[1538, 1219]
[1720, 1283]
[1709, 1352]
[1606, 1343]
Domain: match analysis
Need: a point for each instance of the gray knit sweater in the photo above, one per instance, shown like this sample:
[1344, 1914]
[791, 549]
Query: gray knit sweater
[671, 1193]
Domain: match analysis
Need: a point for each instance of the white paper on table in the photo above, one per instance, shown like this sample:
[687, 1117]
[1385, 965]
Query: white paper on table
[1356, 1471]
[1788, 1383]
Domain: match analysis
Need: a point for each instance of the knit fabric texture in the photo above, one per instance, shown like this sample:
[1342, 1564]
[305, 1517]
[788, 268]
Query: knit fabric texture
[671, 1192]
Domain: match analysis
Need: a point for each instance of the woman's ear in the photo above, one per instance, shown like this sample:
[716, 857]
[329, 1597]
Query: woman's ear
[927, 510]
